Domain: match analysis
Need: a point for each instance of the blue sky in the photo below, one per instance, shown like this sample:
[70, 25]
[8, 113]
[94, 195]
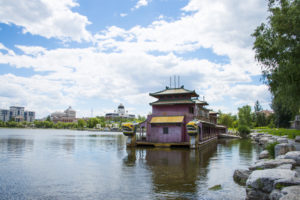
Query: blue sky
[96, 54]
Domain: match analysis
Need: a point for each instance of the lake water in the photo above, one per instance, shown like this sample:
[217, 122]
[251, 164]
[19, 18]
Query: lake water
[65, 164]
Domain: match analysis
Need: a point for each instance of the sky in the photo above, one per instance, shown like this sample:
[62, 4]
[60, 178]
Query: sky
[95, 54]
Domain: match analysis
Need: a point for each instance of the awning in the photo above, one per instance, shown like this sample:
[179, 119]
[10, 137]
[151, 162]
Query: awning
[167, 119]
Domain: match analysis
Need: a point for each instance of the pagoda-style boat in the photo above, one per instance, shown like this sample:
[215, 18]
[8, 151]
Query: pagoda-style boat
[178, 118]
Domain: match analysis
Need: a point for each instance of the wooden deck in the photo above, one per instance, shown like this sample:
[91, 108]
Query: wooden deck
[158, 144]
[169, 145]
[229, 136]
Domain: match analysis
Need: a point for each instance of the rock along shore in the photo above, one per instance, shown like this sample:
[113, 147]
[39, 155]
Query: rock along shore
[272, 179]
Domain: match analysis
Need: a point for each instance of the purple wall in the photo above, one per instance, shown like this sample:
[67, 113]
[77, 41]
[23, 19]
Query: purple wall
[171, 110]
[174, 134]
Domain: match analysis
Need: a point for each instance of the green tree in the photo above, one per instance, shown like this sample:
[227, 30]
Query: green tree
[244, 114]
[282, 113]
[277, 49]
[81, 123]
[259, 118]
[48, 118]
[11, 124]
[141, 118]
[226, 119]
[257, 107]
[92, 122]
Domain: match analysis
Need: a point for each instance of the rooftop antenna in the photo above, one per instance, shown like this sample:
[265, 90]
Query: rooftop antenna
[178, 81]
[170, 81]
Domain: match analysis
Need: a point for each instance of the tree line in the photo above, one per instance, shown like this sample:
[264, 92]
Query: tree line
[247, 119]
[277, 50]
[80, 124]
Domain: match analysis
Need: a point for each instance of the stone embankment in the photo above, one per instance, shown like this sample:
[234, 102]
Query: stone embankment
[273, 179]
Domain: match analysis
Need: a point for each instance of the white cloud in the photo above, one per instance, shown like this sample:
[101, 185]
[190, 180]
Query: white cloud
[123, 14]
[248, 94]
[50, 19]
[123, 68]
[140, 3]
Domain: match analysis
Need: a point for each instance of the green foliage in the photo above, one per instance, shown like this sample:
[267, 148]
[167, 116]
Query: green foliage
[279, 186]
[283, 114]
[257, 107]
[243, 129]
[81, 123]
[277, 48]
[140, 118]
[43, 124]
[235, 124]
[226, 119]
[48, 118]
[271, 125]
[259, 118]
[216, 187]
[244, 114]
[11, 124]
[92, 122]
[271, 149]
[291, 133]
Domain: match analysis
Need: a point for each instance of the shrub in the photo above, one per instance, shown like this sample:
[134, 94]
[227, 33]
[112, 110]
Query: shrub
[244, 129]
[271, 125]
[271, 149]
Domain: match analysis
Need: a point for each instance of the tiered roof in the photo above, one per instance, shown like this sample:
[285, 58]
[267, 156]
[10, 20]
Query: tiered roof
[197, 101]
[172, 101]
[174, 91]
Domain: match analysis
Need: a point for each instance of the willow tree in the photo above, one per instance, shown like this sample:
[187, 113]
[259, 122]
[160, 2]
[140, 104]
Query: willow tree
[277, 49]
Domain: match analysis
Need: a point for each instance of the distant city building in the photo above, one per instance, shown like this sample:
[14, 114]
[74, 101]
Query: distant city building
[120, 113]
[17, 114]
[29, 116]
[69, 115]
[267, 113]
[4, 115]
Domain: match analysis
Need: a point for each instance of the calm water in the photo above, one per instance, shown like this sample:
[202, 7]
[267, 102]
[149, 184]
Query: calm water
[63, 164]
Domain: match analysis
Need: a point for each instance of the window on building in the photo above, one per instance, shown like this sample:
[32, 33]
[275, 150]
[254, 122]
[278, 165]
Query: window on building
[191, 110]
[165, 130]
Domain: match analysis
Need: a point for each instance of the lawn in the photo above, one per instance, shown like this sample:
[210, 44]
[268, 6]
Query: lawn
[291, 133]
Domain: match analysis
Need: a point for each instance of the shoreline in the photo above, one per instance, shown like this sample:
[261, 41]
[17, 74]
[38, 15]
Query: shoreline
[272, 178]
[91, 130]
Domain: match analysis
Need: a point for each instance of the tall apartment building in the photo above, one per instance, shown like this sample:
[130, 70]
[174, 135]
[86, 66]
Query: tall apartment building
[4, 115]
[29, 116]
[17, 114]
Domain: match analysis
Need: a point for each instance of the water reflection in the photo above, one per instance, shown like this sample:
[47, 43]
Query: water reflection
[175, 173]
[61, 144]
[62, 164]
[15, 146]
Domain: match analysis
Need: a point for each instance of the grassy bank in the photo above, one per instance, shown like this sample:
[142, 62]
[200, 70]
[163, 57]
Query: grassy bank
[291, 133]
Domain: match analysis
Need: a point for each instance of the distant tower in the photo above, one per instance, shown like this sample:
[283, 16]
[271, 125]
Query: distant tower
[121, 109]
